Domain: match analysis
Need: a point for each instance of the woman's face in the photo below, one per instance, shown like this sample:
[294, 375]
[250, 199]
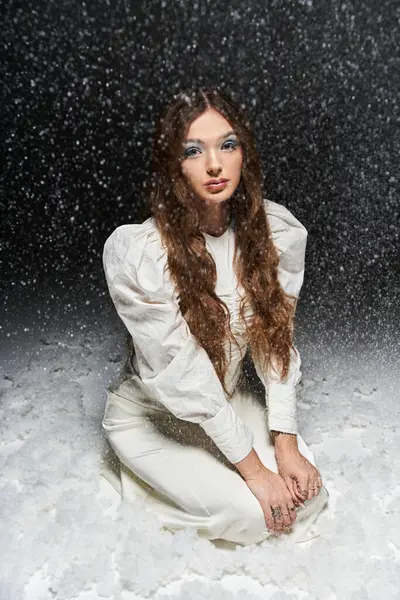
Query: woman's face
[211, 150]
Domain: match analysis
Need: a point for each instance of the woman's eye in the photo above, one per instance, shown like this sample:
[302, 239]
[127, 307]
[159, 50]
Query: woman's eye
[187, 152]
[233, 146]
[230, 145]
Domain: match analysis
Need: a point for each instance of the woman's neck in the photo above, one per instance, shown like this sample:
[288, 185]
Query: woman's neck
[214, 219]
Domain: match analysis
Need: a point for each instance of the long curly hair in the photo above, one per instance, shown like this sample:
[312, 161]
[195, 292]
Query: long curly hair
[192, 268]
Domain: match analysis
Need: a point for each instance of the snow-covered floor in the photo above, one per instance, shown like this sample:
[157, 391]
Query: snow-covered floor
[64, 533]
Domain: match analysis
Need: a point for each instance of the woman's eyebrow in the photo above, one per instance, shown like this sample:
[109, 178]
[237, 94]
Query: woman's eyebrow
[224, 135]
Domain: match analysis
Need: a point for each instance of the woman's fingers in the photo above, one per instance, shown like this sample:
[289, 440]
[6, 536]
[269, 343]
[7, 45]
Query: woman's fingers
[314, 484]
[307, 488]
[310, 490]
[302, 488]
[292, 516]
[284, 519]
[279, 518]
[269, 519]
[289, 484]
[281, 513]
[316, 491]
[292, 488]
[299, 498]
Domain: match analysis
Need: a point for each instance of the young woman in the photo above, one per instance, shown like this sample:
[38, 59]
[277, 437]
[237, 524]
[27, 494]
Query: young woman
[215, 271]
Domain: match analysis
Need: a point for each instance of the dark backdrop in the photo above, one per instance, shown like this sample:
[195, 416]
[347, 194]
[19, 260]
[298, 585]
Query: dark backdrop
[83, 83]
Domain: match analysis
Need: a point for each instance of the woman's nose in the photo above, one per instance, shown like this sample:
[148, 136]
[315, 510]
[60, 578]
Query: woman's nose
[214, 168]
[214, 163]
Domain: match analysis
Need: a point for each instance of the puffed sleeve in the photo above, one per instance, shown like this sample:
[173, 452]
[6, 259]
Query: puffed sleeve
[172, 364]
[290, 239]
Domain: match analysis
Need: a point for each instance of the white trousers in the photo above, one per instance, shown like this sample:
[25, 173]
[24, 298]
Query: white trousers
[184, 478]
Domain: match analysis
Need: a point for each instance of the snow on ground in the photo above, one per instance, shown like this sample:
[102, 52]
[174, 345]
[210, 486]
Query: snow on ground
[66, 535]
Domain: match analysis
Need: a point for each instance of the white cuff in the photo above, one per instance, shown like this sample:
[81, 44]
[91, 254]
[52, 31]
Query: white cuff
[282, 407]
[229, 433]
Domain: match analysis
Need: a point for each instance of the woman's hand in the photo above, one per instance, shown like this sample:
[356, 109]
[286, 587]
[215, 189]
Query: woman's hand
[302, 479]
[272, 494]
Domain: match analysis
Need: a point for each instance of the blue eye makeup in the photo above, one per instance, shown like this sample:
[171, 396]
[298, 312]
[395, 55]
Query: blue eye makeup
[230, 145]
[234, 143]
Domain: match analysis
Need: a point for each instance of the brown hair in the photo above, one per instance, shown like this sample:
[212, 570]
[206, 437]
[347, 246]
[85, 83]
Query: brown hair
[191, 266]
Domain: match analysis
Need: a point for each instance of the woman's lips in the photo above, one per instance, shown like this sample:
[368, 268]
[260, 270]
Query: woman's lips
[217, 186]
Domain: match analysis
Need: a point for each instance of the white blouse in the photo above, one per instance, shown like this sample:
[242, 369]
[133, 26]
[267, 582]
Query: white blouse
[172, 367]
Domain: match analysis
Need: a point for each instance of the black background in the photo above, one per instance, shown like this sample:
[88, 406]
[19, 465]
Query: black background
[83, 84]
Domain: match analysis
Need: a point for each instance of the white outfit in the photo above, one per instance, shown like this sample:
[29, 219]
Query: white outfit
[170, 388]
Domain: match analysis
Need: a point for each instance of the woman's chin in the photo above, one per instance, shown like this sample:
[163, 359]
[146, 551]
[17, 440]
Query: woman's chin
[217, 197]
